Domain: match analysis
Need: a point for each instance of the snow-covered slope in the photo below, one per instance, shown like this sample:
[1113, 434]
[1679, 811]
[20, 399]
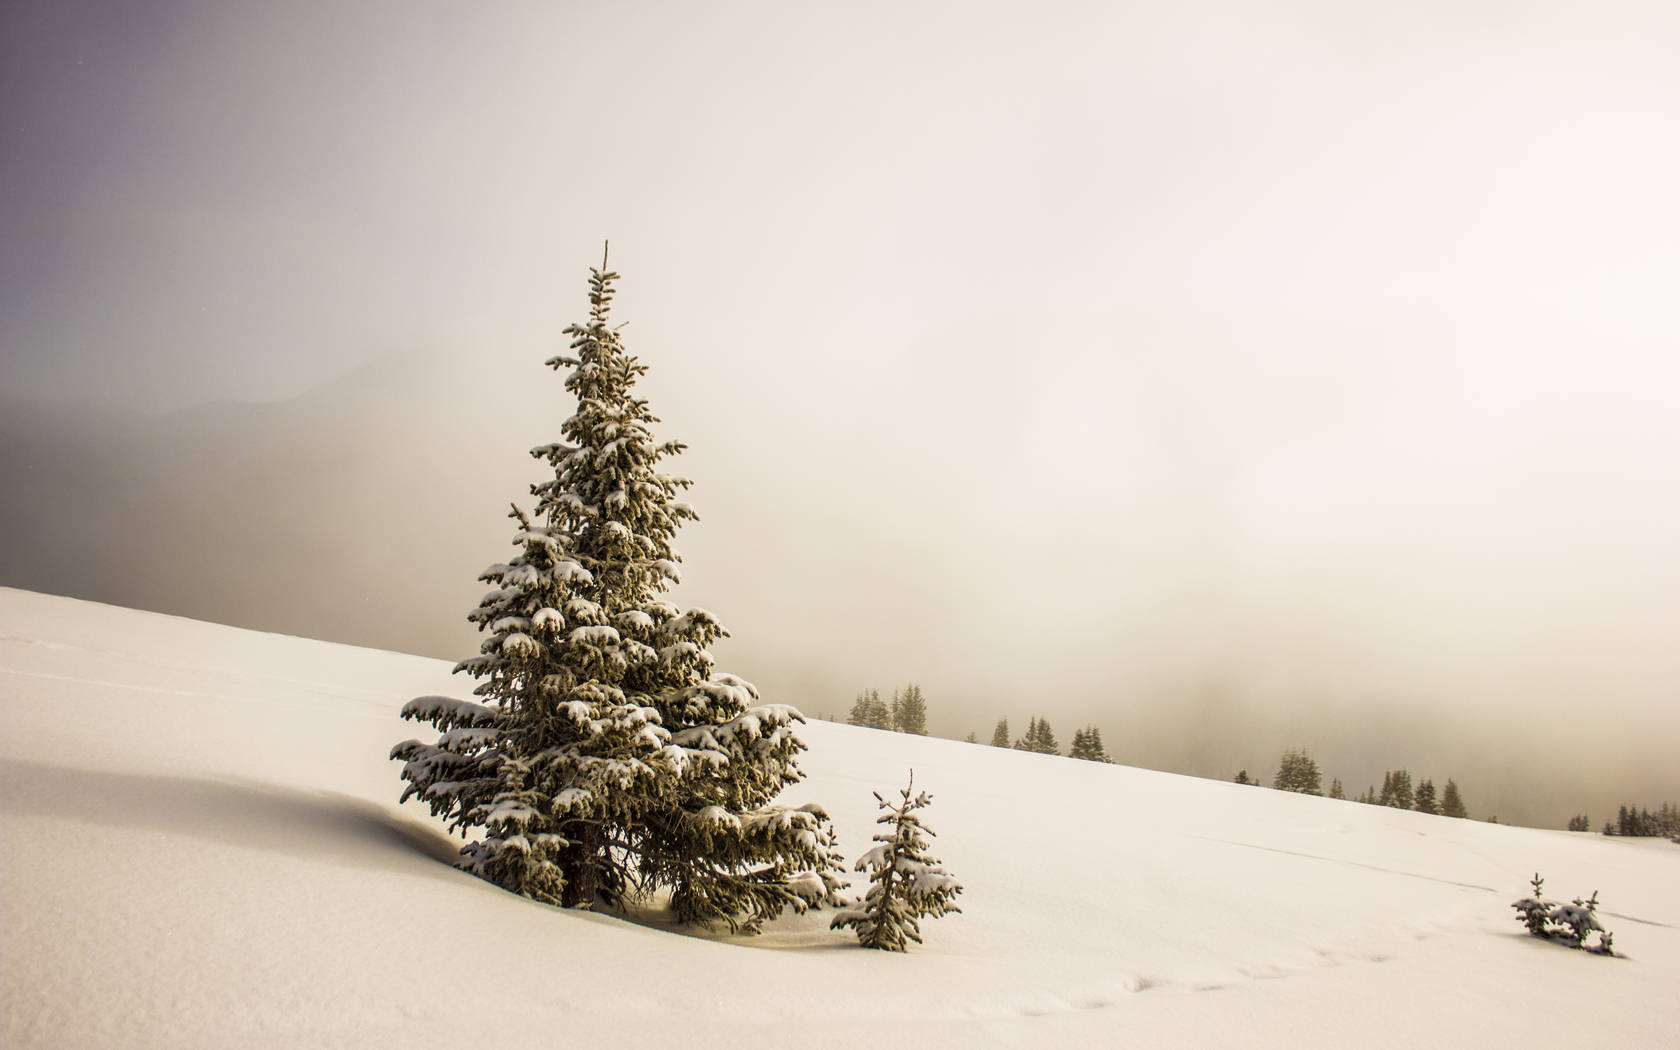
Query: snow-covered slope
[201, 849]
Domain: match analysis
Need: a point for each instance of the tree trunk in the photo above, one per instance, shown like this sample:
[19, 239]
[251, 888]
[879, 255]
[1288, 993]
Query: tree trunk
[581, 862]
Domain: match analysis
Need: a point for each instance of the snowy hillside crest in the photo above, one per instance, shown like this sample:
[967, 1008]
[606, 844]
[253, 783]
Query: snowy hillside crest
[606, 760]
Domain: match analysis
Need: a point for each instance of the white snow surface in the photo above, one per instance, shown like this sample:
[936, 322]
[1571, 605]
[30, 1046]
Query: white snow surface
[201, 848]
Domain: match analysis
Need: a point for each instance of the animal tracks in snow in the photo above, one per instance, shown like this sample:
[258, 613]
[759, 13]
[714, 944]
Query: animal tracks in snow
[1116, 992]
[1040, 1004]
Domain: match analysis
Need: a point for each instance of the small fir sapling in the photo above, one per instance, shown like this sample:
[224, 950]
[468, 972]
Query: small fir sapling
[905, 883]
[1531, 910]
[1571, 923]
[1576, 921]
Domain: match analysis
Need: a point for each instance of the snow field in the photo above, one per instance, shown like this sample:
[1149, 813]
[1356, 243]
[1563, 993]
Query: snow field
[201, 849]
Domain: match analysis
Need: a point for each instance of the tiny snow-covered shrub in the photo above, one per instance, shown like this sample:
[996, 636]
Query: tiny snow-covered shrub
[1576, 921]
[1571, 923]
[905, 883]
[1531, 911]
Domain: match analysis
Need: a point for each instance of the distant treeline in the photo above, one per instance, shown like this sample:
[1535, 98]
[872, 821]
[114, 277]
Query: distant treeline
[1041, 739]
[1298, 772]
[906, 714]
[1635, 822]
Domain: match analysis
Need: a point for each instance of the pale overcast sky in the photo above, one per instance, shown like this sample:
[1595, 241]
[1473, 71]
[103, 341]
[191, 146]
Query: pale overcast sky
[1322, 354]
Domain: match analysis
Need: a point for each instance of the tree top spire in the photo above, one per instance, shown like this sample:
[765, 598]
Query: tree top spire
[600, 289]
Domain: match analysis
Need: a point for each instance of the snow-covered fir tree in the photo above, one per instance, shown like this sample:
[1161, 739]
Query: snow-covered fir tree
[606, 759]
[1039, 738]
[1297, 772]
[1403, 794]
[1423, 800]
[1336, 788]
[880, 712]
[871, 711]
[1000, 733]
[1046, 739]
[1570, 923]
[909, 710]
[905, 884]
[859, 715]
[1451, 804]
[1533, 909]
[1088, 744]
[1396, 789]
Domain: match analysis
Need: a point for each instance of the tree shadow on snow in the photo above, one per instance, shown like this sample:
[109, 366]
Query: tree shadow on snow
[320, 825]
[791, 932]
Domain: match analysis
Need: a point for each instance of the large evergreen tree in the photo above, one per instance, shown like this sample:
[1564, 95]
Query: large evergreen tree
[1000, 733]
[607, 759]
[905, 883]
[909, 710]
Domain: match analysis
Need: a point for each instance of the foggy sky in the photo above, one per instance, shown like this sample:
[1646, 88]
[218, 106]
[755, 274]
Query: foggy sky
[1231, 377]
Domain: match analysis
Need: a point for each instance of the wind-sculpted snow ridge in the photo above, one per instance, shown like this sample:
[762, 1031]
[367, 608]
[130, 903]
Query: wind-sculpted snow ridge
[201, 853]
